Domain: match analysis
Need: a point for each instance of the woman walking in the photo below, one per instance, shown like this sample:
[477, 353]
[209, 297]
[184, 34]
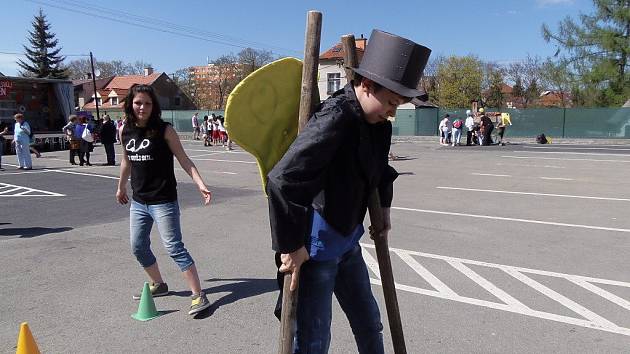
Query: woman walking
[149, 144]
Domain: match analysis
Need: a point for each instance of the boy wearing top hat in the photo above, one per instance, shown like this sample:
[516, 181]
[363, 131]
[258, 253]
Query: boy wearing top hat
[318, 193]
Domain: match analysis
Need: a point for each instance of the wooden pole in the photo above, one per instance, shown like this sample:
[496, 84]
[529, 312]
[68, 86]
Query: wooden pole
[308, 91]
[376, 220]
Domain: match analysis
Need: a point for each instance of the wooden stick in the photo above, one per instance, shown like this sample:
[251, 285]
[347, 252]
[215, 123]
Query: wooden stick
[376, 219]
[307, 105]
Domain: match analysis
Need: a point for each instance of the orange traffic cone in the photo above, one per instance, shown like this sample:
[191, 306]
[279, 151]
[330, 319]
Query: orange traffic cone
[26, 343]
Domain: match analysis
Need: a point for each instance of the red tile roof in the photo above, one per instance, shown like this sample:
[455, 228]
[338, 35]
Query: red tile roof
[126, 81]
[336, 52]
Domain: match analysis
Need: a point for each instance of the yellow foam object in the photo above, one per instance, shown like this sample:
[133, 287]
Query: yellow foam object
[261, 114]
[26, 343]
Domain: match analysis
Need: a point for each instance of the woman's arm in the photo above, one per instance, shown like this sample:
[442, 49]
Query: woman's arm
[125, 172]
[172, 139]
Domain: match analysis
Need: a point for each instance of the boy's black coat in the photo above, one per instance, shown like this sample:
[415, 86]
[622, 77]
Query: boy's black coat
[332, 166]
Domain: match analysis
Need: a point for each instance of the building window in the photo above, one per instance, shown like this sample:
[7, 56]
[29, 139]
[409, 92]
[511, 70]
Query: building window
[178, 101]
[334, 82]
[114, 101]
[99, 101]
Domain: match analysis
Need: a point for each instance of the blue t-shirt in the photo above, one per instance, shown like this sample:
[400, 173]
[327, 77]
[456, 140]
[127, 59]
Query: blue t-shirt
[325, 243]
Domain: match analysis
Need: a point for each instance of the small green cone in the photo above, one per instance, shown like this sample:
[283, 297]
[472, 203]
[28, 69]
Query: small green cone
[146, 309]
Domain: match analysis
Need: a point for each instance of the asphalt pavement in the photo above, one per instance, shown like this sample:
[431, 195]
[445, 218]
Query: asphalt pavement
[520, 248]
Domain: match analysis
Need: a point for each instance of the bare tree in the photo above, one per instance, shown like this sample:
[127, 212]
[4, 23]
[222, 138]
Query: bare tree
[226, 74]
[252, 59]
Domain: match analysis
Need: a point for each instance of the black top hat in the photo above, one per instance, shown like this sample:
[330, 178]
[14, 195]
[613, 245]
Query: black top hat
[394, 62]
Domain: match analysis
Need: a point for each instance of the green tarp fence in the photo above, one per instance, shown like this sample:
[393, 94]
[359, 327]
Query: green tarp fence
[553, 122]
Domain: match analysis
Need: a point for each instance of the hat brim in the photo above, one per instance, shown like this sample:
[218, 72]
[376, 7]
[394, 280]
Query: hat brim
[389, 84]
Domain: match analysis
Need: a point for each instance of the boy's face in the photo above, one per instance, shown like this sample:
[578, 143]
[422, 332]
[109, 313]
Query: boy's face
[378, 105]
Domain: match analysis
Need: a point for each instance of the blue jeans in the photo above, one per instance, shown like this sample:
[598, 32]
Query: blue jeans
[347, 277]
[166, 215]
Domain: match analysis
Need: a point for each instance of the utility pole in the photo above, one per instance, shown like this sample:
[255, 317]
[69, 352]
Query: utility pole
[98, 116]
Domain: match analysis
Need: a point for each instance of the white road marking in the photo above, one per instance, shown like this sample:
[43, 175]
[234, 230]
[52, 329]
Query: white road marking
[535, 194]
[488, 174]
[83, 174]
[208, 154]
[436, 283]
[521, 165]
[572, 153]
[562, 159]
[511, 304]
[557, 178]
[218, 160]
[576, 148]
[484, 283]
[563, 300]
[514, 219]
[27, 191]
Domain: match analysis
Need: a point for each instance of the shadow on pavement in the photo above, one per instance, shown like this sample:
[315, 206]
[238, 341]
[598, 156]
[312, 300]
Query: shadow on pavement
[238, 289]
[28, 232]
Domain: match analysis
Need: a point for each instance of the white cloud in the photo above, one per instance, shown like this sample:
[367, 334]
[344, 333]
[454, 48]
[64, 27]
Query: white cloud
[512, 12]
[554, 2]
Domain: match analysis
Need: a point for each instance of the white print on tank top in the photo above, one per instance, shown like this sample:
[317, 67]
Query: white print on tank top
[131, 147]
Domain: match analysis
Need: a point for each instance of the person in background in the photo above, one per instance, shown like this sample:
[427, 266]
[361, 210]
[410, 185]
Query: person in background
[108, 138]
[119, 124]
[457, 131]
[470, 127]
[68, 130]
[204, 130]
[195, 125]
[445, 128]
[85, 146]
[504, 122]
[4, 130]
[21, 140]
[486, 128]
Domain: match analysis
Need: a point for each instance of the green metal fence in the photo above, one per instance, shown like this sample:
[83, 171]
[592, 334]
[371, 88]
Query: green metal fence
[554, 122]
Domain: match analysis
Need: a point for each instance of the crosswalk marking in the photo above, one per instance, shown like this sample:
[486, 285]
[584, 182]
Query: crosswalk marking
[583, 316]
[6, 190]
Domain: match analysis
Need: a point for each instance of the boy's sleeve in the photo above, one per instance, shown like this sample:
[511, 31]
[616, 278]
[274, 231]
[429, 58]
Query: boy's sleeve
[300, 175]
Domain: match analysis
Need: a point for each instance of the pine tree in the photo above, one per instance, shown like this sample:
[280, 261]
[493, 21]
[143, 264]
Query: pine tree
[45, 61]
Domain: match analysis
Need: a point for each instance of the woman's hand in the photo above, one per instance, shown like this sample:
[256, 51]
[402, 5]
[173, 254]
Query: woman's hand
[205, 194]
[121, 196]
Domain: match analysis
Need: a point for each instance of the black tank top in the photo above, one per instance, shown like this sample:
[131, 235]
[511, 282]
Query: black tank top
[152, 171]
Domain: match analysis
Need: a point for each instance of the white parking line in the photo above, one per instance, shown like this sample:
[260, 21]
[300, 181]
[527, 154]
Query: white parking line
[7, 189]
[218, 160]
[576, 148]
[573, 153]
[83, 174]
[521, 165]
[509, 303]
[489, 174]
[557, 178]
[535, 194]
[561, 159]
[590, 227]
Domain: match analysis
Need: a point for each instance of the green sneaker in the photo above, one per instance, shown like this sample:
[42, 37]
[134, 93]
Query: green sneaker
[199, 303]
[157, 289]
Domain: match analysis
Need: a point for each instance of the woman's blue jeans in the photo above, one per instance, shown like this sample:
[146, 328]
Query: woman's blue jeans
[347, 277]
[166, 215]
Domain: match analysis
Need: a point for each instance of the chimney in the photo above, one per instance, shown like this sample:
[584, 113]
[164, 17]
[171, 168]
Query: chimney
[361, 42]
[148, 71]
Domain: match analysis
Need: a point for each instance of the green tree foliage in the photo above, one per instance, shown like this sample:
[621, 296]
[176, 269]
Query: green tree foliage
[518, 90]
[44, 60]
[598, 49]
[556, 77]
[532, 93]
[459, 80]
[494, 96]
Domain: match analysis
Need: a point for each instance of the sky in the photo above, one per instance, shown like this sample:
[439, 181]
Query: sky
[176, 34]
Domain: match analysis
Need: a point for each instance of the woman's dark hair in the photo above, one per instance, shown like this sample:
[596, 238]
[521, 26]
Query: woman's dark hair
[155, 120]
